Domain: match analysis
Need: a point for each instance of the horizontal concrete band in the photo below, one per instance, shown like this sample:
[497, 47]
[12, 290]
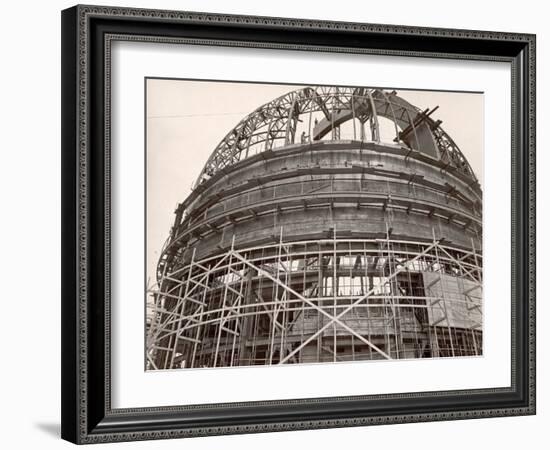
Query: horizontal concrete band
[335, 181]
[360, 216]
[309, 154]
[358, 191]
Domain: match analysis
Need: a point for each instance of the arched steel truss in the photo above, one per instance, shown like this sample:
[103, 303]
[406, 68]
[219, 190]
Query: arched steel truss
[320, 111]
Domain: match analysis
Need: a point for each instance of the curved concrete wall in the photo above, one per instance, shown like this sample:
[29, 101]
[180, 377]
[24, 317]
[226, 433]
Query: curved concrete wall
[355, 189]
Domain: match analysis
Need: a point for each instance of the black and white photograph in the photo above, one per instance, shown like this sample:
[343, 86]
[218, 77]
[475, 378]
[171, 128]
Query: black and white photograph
[301, 224]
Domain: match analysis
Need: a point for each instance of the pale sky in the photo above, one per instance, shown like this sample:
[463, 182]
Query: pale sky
[187, 119]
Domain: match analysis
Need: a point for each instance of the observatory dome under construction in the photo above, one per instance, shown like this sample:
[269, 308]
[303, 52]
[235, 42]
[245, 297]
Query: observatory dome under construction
[330, 224]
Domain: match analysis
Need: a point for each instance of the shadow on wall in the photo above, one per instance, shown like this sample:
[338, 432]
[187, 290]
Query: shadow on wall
[53, 429]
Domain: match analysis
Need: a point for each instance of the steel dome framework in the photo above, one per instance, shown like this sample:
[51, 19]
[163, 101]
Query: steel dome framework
[331, 224]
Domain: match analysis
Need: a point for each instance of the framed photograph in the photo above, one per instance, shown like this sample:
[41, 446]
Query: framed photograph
[281, 224]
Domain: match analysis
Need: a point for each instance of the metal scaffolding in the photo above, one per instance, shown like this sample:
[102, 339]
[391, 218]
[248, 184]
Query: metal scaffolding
[319, 301]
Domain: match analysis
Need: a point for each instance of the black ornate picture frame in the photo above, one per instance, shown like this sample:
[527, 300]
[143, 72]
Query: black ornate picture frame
[87, 35]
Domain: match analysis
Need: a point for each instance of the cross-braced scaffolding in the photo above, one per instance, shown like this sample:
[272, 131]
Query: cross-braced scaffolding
[324, 250]
[319, 301]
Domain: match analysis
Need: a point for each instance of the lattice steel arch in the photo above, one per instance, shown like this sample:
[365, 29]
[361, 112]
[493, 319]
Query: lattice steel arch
[274, 124]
